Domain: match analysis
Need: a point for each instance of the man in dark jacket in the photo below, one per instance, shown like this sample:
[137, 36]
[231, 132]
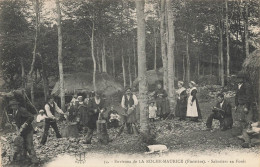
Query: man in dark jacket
[243, 101]
[23, 120]
[96, 107]
[85, 114]
[222, 112]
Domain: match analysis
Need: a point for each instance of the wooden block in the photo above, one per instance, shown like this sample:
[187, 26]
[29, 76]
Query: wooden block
[70, 130]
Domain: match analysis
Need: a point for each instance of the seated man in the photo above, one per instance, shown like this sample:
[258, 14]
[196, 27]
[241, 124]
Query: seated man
[221, 112]
[251, 135]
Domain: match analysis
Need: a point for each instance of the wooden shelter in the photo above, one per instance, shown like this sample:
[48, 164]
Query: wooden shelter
[153, 77]
[251, 66]
[83, 81]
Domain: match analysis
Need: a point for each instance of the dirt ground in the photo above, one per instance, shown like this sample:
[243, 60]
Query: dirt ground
[179, 136]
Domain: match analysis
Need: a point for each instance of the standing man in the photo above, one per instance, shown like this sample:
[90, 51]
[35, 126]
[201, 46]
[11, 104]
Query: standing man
[84, 115]
[129, 103]
[23, 120]
[96, 107]
[222, 112]
[243, 101]
[50, 108]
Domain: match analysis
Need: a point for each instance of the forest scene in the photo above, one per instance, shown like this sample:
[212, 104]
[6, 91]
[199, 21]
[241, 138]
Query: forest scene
[141, 78]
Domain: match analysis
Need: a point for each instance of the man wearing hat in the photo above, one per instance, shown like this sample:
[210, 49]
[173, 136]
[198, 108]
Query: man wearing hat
[23, 120]
[243, 100]
[96, 108]
[50, 108]
[129, 103]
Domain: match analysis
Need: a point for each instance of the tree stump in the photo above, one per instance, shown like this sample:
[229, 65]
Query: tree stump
[70, 130]
[19, 152]
[102, 134]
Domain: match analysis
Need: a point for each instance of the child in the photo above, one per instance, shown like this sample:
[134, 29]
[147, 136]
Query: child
[40, 120]
[41, 117]
[113, 118]
[152, 111]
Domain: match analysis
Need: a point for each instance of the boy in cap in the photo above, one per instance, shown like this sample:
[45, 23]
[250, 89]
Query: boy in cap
[41, 116]
[113, 118]
[23, 120]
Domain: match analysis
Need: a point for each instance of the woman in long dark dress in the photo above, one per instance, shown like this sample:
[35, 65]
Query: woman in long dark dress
[161, 102]
[181, 106]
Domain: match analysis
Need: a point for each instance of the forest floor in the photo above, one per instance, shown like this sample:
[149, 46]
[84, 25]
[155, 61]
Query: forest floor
[180, 137]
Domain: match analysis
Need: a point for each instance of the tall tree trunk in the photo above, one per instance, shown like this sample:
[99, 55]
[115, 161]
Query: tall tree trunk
[163, 46]
[183, 68]
[187, 59]
[23, 73]
[211, 64]
[203, 70]
[34, 49]
[123, 67]
[62, 92]
[221, 54]
[258, 71]
[155, 51]
[113, 61]
[36, 35]
[93, 56]
[134, 59]
[170, 55]
[98, 62]
[198, 66]
[44, 79]
[104, 60]
[227, 36]
[142, 66]
[219, 64]
[176, 62]
[246, 30]
[129, 71]
[34, 77]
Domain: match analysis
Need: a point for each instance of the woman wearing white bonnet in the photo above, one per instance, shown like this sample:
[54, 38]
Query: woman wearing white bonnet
[181, 105]
[193, 110]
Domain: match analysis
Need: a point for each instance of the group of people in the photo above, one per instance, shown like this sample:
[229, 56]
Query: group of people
[187, 105]
[87, 110]
[83, 110]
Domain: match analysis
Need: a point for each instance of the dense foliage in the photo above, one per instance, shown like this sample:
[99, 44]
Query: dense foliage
[115, 35]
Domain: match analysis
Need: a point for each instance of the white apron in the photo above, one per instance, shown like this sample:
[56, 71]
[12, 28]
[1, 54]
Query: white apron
[192, 110]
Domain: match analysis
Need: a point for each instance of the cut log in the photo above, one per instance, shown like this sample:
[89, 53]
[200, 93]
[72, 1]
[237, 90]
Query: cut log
[70, 130]
[102, 134]
[18, 149]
